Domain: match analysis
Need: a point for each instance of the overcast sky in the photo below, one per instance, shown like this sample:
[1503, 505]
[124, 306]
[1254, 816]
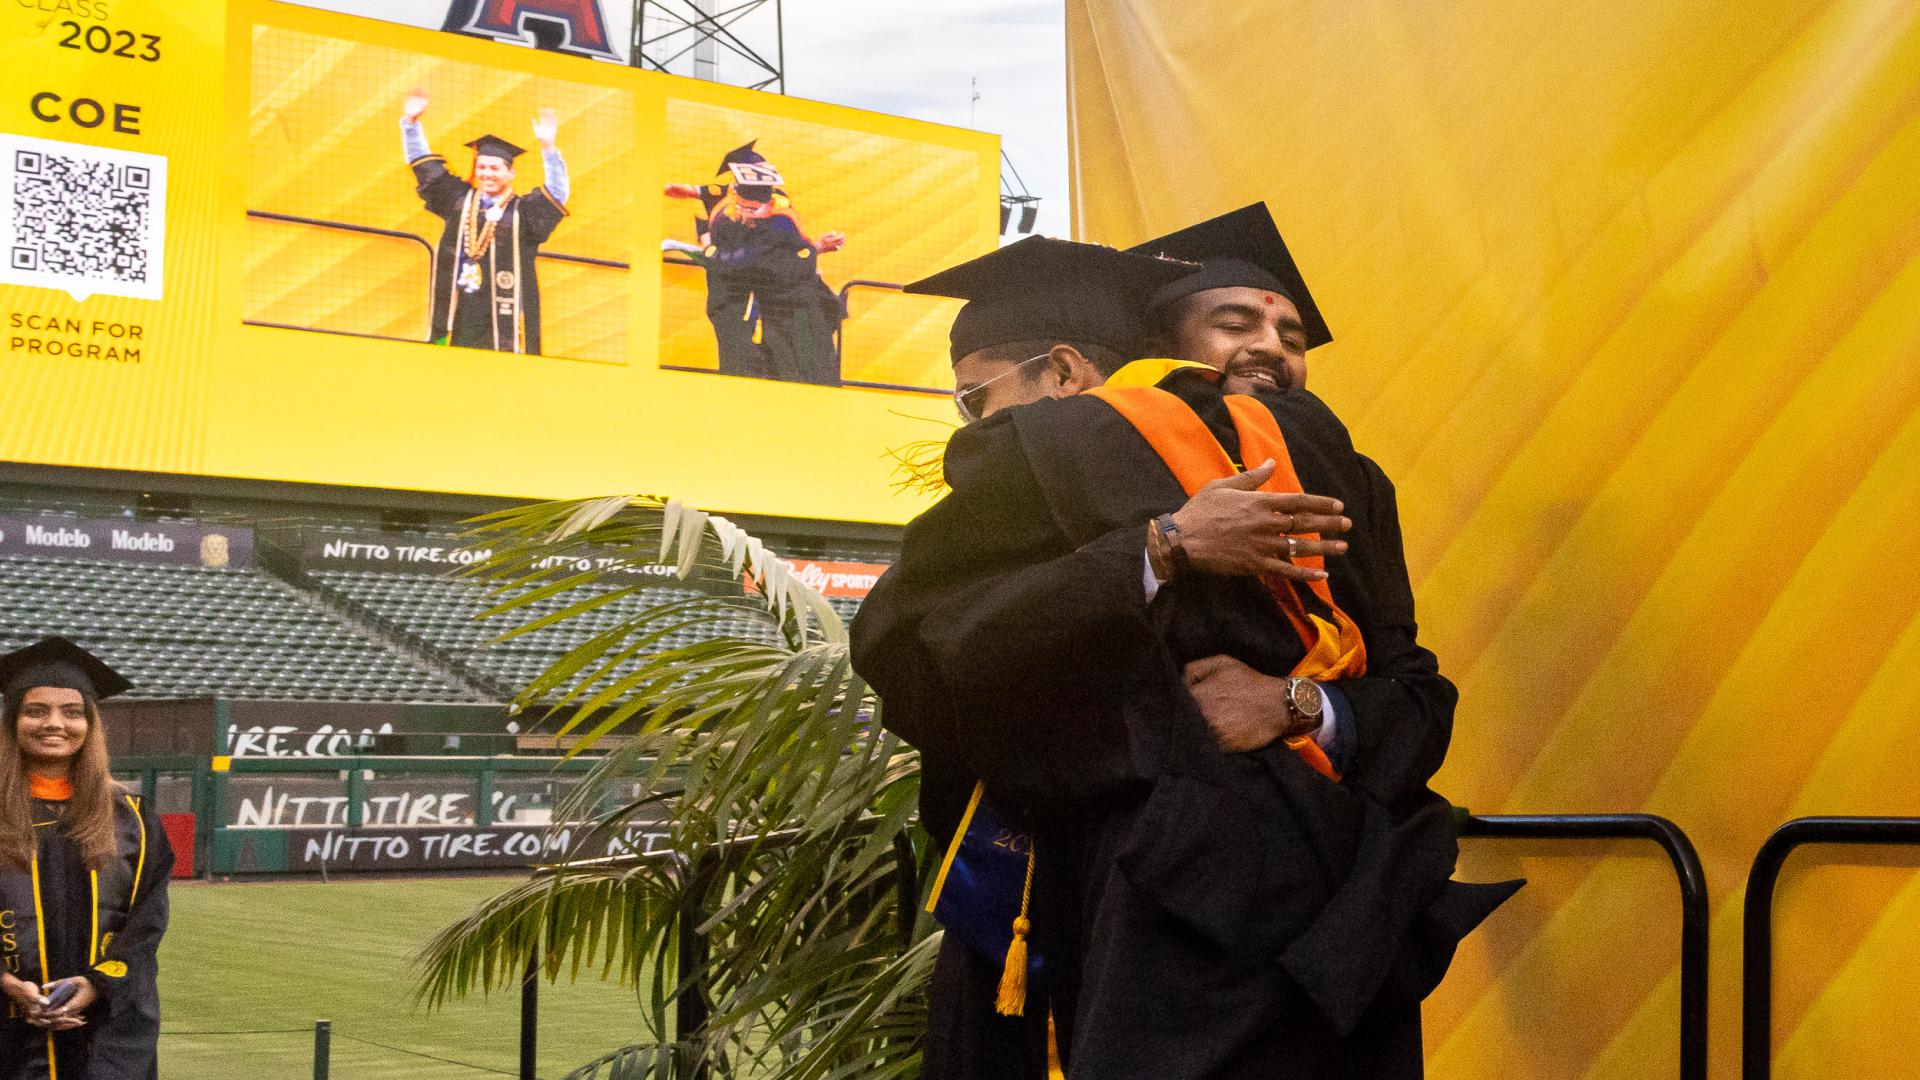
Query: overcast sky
[914, 58]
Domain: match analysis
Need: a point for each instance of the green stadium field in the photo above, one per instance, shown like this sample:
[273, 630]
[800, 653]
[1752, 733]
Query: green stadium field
[280, 955]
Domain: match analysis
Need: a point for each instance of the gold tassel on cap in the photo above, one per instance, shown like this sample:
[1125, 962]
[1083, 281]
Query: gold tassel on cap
[1013, 978]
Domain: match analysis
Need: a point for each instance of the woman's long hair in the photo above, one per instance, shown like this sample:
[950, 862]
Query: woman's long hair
[88, 820]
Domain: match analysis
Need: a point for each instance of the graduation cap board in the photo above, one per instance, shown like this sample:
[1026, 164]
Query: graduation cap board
[1240, 249]
[1042, 288]
[752, 175]
[740, 155]
[495, 146]
[57, 662]
[755, 174]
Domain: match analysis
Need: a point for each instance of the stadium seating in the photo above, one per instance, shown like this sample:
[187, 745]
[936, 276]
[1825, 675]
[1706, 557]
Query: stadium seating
[185, 631]
[182, 631]
[445, 613]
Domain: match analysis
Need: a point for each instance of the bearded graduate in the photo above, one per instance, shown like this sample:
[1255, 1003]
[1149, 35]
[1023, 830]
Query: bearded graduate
[83, 880]
[486, 294]
[1227, 878]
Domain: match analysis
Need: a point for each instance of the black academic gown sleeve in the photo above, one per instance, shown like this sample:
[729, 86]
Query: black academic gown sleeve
[126, 1020]
[971, 640]
[540, 214]
[999, 649]
[442, 192]
[1402, 709]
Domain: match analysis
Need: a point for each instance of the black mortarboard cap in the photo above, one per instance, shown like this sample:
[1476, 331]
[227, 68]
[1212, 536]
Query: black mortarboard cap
[1054, 289]
[495, 146]
[745, 155]
[57, 662]
[1238, 249]
[759, 184]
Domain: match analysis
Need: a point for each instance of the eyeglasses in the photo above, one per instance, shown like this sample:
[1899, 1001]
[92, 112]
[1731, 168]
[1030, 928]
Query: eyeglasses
[968, 401]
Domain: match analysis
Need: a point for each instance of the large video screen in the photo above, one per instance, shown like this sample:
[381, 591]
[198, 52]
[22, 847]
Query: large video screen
[269, 240]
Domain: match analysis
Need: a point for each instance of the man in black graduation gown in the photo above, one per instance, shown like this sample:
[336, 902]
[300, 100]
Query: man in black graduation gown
[486, 292]
[1203, 914]
[763, 275]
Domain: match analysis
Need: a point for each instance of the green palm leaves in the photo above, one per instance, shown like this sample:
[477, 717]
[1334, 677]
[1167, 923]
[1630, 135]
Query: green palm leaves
[719, 686]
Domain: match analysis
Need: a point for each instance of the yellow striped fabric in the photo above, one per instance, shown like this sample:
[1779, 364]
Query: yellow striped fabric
[1627, 302]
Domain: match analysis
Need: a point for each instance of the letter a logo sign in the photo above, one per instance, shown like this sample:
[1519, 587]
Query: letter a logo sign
[507, 20]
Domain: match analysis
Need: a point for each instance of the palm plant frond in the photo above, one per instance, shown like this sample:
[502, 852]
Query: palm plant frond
[791, 833]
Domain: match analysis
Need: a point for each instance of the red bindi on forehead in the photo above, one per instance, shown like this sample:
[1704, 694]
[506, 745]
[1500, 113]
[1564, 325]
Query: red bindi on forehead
[1268, 298]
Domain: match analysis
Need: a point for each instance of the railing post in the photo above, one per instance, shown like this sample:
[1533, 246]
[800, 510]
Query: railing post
[1693, 899]
[483, 797]
[356, 792]
[907, 886]
[530, 1020]
[690, 1008]
[322, 1047]
[1756, 953]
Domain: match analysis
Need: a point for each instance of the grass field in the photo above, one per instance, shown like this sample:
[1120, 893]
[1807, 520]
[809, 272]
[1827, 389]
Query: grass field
[248, 956]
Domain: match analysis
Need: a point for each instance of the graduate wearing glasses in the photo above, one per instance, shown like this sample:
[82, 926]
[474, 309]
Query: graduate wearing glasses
[1206, 876]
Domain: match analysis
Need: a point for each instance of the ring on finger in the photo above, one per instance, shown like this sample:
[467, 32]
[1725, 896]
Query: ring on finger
[1293, 548]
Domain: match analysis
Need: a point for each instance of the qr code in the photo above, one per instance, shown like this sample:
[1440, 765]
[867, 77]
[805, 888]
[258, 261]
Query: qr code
[83, 219]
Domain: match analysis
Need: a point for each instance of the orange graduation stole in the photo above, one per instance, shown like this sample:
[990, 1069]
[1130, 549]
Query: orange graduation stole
[49, 788]
[1176, 433]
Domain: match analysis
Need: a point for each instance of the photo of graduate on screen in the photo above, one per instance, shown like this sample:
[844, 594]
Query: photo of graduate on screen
[486, 294]
[773, 317]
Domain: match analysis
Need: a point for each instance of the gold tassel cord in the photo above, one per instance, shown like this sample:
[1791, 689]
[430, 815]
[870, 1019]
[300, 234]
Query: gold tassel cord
[1012, 1000]
[920, 468]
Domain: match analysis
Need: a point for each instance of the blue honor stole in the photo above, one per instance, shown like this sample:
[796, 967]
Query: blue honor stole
[981, 895]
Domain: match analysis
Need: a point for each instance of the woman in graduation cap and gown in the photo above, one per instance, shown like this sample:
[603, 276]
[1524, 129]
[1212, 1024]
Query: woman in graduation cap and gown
[83, 880]
[1196, 914]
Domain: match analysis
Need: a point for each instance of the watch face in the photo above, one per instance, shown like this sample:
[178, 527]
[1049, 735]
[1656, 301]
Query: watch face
[1305, 697]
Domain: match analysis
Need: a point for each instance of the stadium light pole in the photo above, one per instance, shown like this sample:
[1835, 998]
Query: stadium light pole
[1014, 195]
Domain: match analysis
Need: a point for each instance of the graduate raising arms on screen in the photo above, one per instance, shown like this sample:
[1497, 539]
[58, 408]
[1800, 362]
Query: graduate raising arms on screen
[83, 880]
[485, 292]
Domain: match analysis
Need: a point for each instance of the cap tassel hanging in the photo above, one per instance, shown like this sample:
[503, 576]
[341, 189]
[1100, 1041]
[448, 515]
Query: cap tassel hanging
[1012, 1000]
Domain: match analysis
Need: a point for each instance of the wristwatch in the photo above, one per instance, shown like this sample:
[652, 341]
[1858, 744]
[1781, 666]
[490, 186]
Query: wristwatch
[1304, 706]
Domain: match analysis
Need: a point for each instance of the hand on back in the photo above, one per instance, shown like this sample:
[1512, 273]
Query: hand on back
[1232, 528]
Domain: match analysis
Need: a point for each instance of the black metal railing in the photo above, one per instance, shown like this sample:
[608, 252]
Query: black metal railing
[343, 226]
[840, 340]
[677, 258]
[692, 1008]
[669, 258]
[1756, 991]
[396, 234]
[1693, 898]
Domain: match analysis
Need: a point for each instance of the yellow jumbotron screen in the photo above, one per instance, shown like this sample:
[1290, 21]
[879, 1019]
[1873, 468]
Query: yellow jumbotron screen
[264, 240]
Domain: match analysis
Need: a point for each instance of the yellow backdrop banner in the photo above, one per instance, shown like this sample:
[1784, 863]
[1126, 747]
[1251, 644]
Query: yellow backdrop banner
[1627, 302]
